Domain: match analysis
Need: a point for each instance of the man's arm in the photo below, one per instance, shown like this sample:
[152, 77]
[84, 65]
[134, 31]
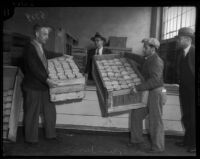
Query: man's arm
[137, 58]
[156, 77]
[33, 66]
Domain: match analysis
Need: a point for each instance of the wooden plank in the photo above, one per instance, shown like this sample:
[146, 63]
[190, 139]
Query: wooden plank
[67, 89]
[67, 96]
[171, 112]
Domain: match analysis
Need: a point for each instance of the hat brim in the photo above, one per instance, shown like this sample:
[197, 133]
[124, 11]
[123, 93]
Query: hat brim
[102, 38]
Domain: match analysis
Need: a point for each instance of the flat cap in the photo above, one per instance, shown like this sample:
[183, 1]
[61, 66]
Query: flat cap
[152, 41]
[186, 31]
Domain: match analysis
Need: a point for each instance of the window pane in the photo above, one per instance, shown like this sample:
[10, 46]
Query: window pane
[178, 22]
[179, 10]
[176, 17]
[183, 20]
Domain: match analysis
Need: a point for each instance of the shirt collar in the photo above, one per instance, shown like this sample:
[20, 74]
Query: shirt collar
[37, 43]
[186, 50]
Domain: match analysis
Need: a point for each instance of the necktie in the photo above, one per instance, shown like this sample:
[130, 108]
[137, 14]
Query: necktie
[97, 51]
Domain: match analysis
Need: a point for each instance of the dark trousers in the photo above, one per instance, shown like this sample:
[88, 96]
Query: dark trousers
[156, 127]
[187, 102]
[38, 102]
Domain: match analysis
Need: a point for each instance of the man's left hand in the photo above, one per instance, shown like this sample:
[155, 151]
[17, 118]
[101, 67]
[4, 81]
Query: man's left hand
[133, 90]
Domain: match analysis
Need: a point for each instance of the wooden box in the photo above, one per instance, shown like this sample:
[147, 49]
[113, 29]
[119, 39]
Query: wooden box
[67, 90]
[12, 78]
[117, 41]
[115, 102]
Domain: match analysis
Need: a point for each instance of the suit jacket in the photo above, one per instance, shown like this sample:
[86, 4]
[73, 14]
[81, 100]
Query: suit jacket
[152, 71]
[191, 61]
[90, 55]
[35, 74]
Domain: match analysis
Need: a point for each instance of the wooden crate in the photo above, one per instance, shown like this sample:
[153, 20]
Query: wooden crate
[117, 41]
[118, 50]
[12, 78]
[68, 90]
[115, 102]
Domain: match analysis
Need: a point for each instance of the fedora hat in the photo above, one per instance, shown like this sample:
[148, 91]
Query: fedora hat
[186, 31]
[98, 35]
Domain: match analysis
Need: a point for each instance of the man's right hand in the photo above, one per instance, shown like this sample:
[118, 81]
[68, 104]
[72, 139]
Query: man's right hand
[51, 83]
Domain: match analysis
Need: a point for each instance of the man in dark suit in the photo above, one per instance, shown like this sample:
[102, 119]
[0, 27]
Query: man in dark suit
[99, 49]
[152, 70]
[186, 76]
[36, 89]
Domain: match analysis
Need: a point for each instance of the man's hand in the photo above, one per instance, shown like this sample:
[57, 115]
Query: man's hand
[133, 90]
[51, 83]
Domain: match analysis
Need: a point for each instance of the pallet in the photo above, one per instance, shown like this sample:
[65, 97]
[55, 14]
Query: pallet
[114, 102]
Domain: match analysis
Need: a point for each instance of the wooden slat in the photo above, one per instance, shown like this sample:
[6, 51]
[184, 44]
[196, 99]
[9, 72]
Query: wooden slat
[67, 89]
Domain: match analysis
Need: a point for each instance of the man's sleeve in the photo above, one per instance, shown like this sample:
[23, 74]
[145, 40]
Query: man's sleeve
[156, 77]
[33, 66]
[137, 58]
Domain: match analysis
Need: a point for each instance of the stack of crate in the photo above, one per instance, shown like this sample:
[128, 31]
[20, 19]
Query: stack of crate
[70, 83]
[12, 101]
[80, 57]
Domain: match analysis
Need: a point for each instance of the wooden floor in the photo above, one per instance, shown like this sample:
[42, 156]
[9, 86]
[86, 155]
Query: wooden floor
[87, 143]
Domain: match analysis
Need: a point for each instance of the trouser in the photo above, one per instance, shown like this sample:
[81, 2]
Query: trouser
[156, 128]
[37, 102]
[187, 102]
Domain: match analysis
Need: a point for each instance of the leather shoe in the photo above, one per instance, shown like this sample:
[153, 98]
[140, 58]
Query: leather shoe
[191, 149]
[180, 144]
[140, 146]
[154, 151]
[31, 144]
[54, 140]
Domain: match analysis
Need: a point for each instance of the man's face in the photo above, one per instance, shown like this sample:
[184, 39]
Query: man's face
[42, 35]
[98, 42]
[183, 41]
[147, 50]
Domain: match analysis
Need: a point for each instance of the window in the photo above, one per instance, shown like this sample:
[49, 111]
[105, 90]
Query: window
[175, 18]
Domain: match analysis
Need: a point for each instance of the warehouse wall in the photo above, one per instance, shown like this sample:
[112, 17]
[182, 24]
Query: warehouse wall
[84, 22]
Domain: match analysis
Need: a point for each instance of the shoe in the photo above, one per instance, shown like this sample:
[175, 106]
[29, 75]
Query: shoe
[191, 149]
[31, 144]
[54, 139]
[139, 146]
[180, 144]
[154, 151]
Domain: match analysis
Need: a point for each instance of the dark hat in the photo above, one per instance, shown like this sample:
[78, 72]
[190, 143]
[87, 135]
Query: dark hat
[152, 41]
[186, 31]
[97, 35]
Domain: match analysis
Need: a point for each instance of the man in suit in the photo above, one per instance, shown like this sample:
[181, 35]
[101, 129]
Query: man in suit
[152, 71]
[186, 76]
[36, 89]
[99, 49]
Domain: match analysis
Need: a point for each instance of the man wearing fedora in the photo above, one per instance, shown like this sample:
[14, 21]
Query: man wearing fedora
[186, 76]
[152, 70]
[99, 49]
